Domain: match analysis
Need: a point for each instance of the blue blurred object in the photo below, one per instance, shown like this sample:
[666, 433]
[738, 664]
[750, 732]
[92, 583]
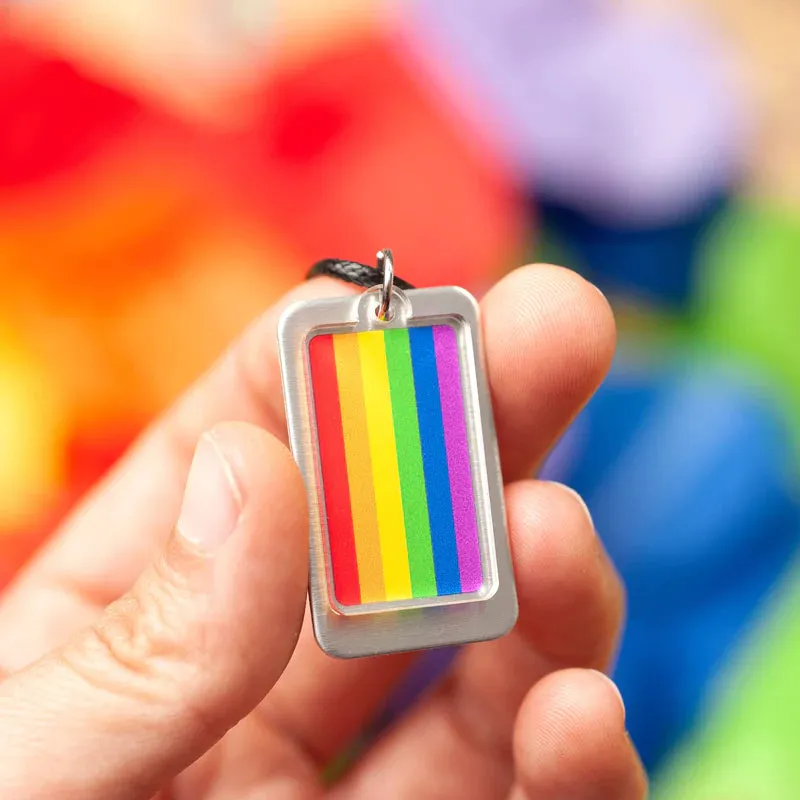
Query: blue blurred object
[657, 264]
[688, 474]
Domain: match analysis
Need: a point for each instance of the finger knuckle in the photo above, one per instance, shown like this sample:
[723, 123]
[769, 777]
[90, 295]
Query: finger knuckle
[571, 511]
[145, 644]
[599, 598]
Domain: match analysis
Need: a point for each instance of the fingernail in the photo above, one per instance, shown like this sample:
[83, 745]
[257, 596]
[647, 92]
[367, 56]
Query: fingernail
[616, 690]
[581, 501]
[599, 291]
[212, 501]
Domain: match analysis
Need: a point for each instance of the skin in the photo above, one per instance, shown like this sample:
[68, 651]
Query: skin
[138, 664]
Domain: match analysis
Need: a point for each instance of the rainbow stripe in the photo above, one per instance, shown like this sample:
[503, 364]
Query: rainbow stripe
[395, 464]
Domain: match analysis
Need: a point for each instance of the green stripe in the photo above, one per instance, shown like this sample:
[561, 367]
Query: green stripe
[409, 459]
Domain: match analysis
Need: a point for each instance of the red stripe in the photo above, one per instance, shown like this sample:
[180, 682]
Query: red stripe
[334, 470]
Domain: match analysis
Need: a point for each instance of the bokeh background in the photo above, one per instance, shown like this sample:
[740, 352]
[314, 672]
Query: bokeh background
[170, 167]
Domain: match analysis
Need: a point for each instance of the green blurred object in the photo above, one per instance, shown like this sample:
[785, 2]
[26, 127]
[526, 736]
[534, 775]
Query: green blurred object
[749, 302]
[748, 749]
[749, 309]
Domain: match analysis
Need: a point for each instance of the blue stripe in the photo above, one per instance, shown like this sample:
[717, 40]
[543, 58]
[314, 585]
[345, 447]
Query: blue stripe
[434, 461]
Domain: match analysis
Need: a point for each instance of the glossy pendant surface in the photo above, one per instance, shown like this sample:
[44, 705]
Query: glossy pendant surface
[391, 424]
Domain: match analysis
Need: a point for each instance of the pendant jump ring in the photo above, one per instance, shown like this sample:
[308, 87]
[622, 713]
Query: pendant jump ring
[386, 268]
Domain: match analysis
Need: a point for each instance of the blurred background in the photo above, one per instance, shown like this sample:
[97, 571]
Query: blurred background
[168, 168]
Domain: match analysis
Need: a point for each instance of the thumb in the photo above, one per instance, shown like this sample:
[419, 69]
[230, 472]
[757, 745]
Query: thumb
[190, 650]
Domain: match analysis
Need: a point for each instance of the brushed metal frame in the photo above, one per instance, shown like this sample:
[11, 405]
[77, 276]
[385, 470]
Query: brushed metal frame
[393, 626]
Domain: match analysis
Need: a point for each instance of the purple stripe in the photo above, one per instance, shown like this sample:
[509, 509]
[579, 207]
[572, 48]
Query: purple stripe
[458, 463]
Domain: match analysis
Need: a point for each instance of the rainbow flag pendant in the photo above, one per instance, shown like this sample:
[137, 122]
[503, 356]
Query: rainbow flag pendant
[390, 421]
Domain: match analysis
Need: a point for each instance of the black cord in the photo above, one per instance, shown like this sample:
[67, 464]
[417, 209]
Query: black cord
[352, 272]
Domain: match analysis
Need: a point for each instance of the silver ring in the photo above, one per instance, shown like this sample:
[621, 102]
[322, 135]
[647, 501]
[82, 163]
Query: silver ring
[386, 265]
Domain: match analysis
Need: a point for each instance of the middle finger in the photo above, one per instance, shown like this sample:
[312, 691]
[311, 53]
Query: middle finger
[549, 338]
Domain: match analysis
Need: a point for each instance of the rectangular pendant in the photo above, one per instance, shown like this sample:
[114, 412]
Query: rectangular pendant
[391, 425]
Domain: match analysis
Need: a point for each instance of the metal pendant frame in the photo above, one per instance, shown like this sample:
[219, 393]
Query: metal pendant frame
[388, 627]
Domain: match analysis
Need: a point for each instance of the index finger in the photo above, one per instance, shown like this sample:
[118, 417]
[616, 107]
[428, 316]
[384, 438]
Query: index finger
[106, 542]
[64, 588]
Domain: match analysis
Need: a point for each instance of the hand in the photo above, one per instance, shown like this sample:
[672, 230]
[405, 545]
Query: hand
[157, 645]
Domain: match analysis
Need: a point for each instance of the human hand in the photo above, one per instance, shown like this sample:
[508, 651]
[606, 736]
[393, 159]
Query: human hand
[157, 646]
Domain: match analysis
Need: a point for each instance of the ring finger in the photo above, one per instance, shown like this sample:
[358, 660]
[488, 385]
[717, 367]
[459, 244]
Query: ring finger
[460, 742]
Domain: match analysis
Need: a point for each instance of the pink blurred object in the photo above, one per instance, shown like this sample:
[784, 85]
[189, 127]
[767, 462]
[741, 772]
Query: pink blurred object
[629, 115]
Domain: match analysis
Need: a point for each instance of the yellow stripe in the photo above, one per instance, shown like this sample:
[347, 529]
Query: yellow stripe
[386, 474]
[359, 468]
